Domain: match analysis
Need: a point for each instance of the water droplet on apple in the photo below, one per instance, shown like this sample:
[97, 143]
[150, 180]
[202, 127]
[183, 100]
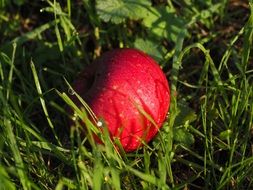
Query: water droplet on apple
[101, 100]
[114, 87]
[139, 91]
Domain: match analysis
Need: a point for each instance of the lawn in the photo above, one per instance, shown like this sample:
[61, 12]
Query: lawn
[203, 47]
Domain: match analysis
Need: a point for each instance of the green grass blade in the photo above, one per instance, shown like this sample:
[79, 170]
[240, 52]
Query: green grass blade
[248, 39]
[30, 35]
[5, 181]
[42, 101]
[11, 70]
[20, 166]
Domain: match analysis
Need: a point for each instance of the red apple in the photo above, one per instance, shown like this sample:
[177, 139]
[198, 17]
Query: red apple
[129, 91]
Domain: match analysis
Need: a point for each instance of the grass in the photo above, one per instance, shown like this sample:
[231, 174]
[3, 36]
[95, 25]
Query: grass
[205, 51]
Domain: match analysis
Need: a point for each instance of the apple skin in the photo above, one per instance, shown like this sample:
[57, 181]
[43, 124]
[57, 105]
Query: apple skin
[119, 87]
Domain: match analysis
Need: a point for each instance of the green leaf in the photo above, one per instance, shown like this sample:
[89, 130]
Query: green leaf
[117, 11]
[224, 135]
[153, 48]
[163, 22]
[182, 136]
[186, 114]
